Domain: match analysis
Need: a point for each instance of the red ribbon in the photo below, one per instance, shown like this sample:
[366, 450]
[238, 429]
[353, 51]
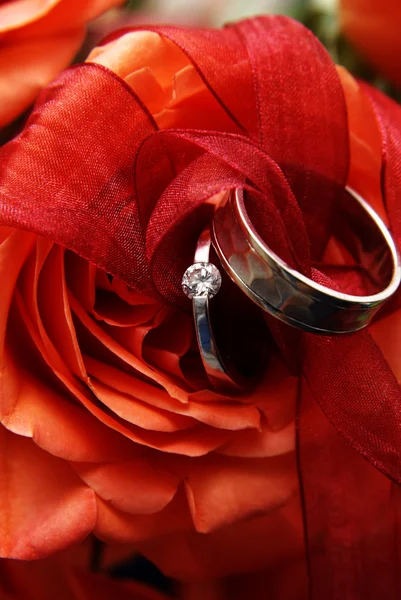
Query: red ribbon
[92, 172]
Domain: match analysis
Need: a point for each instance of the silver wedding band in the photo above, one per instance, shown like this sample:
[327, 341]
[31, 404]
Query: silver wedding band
[291, 296]
[201, 282]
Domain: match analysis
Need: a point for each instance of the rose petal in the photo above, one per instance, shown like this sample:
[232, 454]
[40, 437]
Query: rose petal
[29, 18]
[196, 442]
[263, 443]
[365, 144]
[14, 251]
[192, 105]
[139, 413]
[225, 414]
[131, 296]
[137, 486]
[29, 65]
[266, 541]
[115, 525]
[57, 425]
[133, 50]
[21, 12]
[132, 338]
[145, 84]
[166, 344]
[127, 357]
[81, 280]
[42, 282]
[222, 490]
[110, 309]
[114, 304]
[44, 507]
[52, 308]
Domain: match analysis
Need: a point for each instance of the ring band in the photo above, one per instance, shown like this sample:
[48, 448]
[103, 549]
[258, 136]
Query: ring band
[201, 282]
[290, 296]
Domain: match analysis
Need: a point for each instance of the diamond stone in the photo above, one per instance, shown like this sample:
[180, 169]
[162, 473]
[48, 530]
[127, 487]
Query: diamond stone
[201, 279]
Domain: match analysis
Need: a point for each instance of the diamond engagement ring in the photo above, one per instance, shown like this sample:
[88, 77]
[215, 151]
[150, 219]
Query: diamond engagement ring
[290, 296]
[201, 282]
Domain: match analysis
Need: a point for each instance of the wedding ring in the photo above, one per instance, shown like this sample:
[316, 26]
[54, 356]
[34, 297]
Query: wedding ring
[290, 296]
[201, 282]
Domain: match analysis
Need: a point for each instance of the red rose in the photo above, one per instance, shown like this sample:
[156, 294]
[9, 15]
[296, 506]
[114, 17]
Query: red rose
[108, 421]
[133, 449]
[37, 41]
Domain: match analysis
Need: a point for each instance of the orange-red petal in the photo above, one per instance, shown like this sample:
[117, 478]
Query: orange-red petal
[138, 486]
[44, 506]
